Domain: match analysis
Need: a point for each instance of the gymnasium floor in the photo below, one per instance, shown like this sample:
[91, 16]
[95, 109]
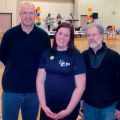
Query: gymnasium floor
[81, 43]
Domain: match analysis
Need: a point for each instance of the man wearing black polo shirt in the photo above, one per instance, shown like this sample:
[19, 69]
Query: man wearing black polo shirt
[20, 51]
[102, 94]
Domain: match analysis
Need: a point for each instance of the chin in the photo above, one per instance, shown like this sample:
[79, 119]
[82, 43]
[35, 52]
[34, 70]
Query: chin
[29, 24]
[93, 45]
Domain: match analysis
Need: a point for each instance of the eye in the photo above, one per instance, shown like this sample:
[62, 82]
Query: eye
[27, 13]
[87, 35]
[31, 13]
[24, 13]
[94, 34]
[66, 35]
[59, 33]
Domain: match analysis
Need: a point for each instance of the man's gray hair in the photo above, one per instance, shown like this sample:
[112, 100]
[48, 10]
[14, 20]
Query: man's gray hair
[98, 26]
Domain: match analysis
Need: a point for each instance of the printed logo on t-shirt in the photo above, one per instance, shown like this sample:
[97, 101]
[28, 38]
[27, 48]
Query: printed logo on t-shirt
[62, 63]
[51, 57]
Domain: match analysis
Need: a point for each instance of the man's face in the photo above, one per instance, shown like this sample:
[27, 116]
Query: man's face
[94, 37]
[27, 15]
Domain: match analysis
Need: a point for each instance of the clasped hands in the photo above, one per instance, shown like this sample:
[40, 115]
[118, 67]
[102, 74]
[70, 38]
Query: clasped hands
[56, 116]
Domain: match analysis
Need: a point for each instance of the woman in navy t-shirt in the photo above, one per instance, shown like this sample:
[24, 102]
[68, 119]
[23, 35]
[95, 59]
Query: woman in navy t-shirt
[61, 77]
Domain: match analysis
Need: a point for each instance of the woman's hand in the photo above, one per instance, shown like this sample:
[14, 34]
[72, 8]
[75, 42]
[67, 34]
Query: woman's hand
[62, 114]
[117, 114]
[49, 113]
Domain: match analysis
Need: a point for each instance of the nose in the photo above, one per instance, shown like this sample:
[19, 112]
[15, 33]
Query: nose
[28, 14]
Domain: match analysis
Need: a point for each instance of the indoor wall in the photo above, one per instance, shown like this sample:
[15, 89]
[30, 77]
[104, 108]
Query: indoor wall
[108, 10]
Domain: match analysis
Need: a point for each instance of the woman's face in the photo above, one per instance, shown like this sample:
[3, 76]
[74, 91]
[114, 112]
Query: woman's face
[62, 38]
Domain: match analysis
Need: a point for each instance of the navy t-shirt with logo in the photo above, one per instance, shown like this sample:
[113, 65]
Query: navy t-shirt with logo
[61, 67]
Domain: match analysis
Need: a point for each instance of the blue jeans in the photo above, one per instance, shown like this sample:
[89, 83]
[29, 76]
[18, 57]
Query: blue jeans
[92, 113]
[12, 102]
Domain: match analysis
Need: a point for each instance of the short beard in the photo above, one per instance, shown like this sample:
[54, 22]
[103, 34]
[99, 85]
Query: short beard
[93, 45]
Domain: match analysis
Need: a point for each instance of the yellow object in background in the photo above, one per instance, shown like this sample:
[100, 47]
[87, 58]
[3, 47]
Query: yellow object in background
[1, 34]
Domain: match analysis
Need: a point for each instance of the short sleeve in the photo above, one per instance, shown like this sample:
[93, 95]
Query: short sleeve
[79, 65]
[43, 59]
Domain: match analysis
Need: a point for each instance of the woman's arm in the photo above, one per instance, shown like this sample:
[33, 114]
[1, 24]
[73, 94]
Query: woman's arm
[41, 76]
[80, 81]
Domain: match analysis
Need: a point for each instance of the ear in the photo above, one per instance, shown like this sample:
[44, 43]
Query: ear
[102, 37]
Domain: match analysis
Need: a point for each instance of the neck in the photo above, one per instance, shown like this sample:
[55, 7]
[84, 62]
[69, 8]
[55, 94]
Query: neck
[61, 49]
[27, 29]
[97, 48]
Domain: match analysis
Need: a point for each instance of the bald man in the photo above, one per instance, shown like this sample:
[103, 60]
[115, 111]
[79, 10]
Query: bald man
[20, 52]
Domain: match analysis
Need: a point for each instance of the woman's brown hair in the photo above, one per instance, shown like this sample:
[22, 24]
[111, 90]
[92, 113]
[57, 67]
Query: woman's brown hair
[71, 45]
